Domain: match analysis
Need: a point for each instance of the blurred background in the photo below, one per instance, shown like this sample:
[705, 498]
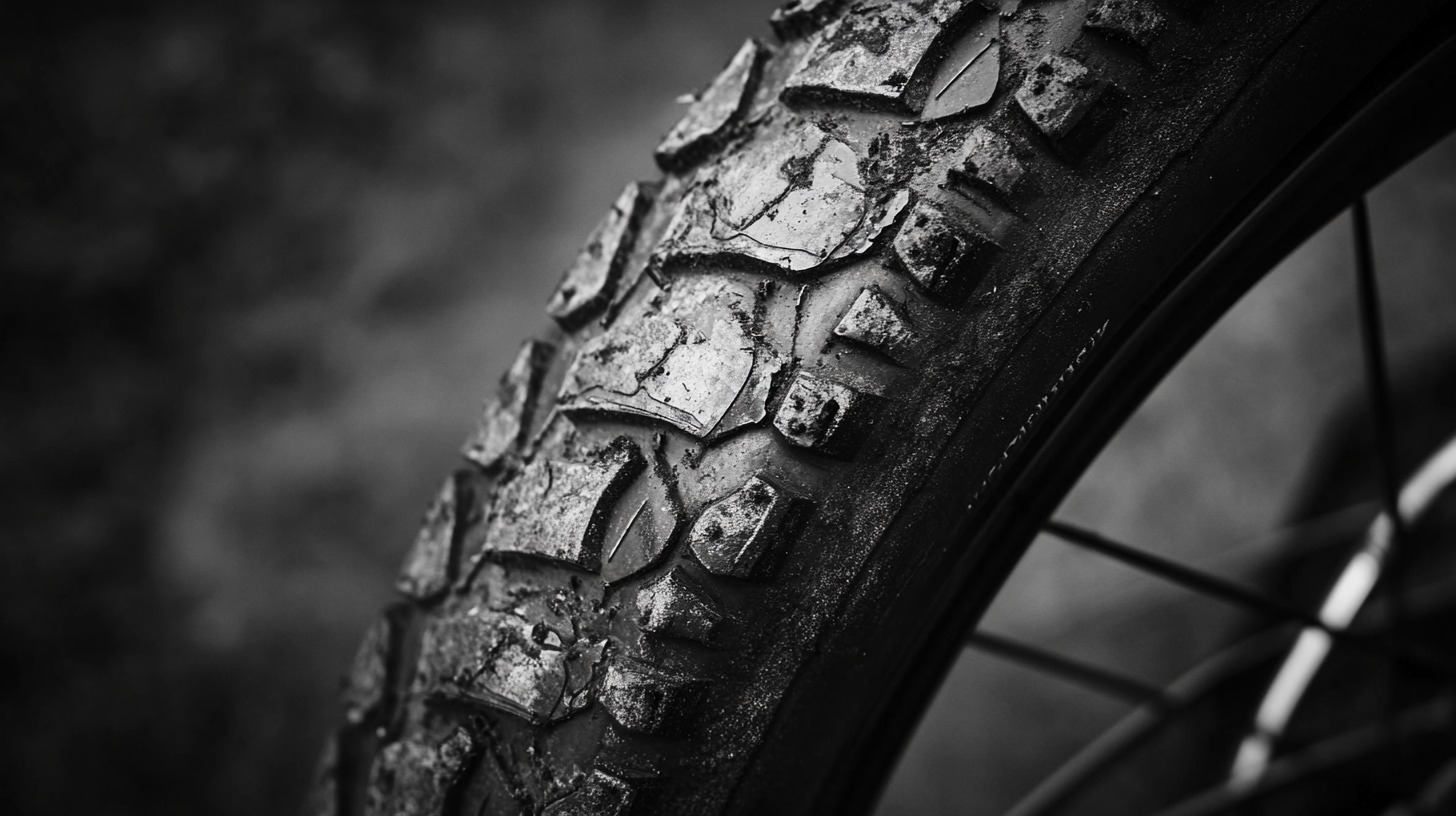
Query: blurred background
[258, 265]
[261, 262]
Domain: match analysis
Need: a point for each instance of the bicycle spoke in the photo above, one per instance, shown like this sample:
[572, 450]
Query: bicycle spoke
[1196, 580]
[1377, 374]
[1233, 593]
[1207, 678]
[1093, 677]
[1382, 412]
[1309, 535]
[1319, 760]
[1143, 724]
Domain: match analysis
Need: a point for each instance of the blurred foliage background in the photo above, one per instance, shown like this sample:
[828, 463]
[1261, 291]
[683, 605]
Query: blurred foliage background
[261, 261]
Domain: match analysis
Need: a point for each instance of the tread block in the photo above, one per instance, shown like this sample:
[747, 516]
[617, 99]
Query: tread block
[642, 698]
[987, 161]
[505, 420]
[518, 647]
[1135, 21]
[969, 73]
[429, 566]
[825, 416]
[734, 534]
[811, 213]
[588, 285]
[600, 795]
[874, 55]
[800, 18]
[1057, 93]
[558, 509]
[414, 776]
[676, 605]
[711, 117]
[934, 249]
[650, 529]
[698, 365]
[368, 685]
[872, 320]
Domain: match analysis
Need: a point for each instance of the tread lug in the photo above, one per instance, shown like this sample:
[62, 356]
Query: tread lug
[650, 528]
[970, 72]
[368, 686]
[934, 249]
[711, 117]
[988, 162]
[429, 566]
[734, 534]
[505, 420]
[588, 285]
[642, 698]
[1057, 93]
[824, 415]
[1134, 21]
[675, 605]
[873, 321]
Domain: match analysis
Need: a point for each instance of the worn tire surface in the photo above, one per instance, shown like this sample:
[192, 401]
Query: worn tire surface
[715, 525]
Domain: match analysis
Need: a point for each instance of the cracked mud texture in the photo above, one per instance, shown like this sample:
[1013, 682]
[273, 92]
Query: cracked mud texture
[815, 210]
[695, 364]
[874, 54]
[527, 648]
[558, 509]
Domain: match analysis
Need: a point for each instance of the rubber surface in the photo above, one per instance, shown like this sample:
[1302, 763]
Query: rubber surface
[707, 523]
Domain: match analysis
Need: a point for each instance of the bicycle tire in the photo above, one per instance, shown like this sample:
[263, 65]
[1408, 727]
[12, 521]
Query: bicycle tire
[893, 327]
